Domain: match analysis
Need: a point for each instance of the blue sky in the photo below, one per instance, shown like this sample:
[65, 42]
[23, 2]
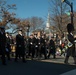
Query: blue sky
[29, 8]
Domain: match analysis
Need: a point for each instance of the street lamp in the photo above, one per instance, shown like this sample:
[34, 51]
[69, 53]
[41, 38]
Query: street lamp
[71, 6]
[28, 27]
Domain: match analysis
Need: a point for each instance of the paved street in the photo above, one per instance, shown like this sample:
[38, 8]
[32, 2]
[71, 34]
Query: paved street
[59, 59]
[32, 67]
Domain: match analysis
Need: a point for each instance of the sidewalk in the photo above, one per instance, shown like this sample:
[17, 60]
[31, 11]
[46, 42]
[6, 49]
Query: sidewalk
[59, 59]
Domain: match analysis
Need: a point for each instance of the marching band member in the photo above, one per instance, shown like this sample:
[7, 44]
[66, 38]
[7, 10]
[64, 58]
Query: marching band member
[71, 44]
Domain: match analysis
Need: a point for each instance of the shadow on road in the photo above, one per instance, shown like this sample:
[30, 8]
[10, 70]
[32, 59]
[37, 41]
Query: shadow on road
[33, 67]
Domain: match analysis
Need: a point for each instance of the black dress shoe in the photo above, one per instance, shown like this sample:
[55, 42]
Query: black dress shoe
[75, 63]
[4, 64]
[16, 60]
[24, 61]
[66, 62]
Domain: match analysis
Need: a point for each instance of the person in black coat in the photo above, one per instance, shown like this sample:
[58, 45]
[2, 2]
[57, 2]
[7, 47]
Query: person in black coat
[52, 49]
[36, 45]
[20, 46]
[71, 44]
[43, 46]
[8, 46]
[2, 45]
[31, 46]
[39, 47]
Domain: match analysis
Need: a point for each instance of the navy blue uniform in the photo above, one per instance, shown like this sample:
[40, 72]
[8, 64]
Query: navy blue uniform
[20, 47]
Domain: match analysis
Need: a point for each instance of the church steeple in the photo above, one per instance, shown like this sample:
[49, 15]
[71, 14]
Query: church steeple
[48, 20]
[48, 24]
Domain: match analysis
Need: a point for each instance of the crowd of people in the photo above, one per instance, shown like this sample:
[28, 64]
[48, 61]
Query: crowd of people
[33, 47]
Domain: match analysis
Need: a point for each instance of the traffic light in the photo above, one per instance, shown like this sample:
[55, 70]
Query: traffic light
[68, 13]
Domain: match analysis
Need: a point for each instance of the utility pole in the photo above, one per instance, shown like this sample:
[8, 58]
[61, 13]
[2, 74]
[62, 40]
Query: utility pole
[71, 6]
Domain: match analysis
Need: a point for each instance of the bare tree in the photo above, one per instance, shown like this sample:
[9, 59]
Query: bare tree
[36, 23]
[5, 15]
[58, 17]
